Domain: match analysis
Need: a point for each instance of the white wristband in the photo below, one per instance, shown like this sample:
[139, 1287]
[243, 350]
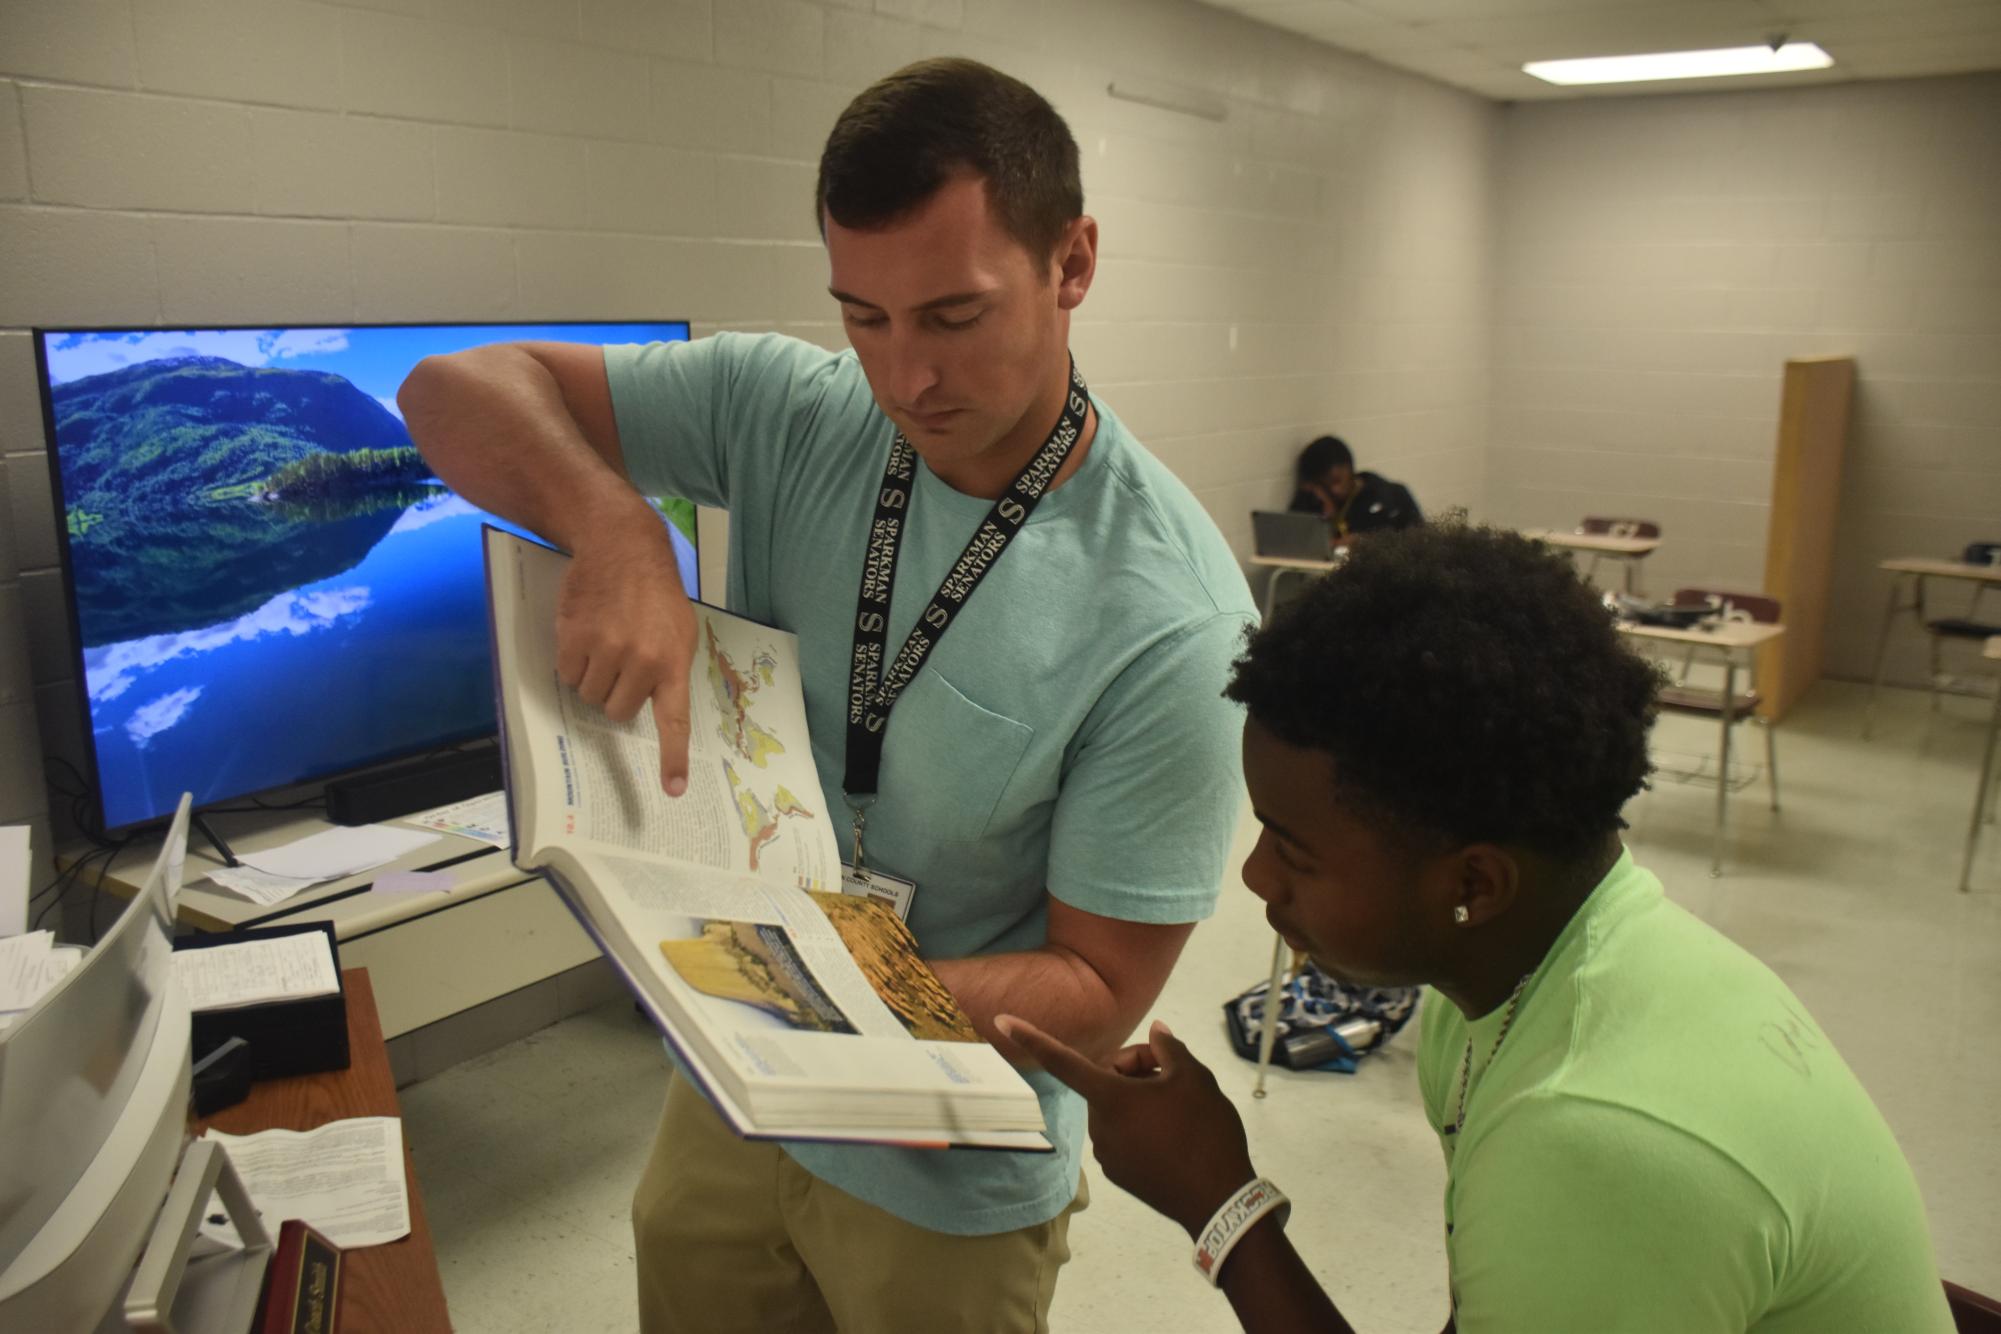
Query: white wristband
[1219, 1236]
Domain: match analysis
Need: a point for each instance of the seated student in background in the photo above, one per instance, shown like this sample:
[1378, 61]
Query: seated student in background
[1354, 502]
[1643, 1128]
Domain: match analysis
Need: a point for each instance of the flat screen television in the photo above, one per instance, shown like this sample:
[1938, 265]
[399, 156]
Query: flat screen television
[266, 585]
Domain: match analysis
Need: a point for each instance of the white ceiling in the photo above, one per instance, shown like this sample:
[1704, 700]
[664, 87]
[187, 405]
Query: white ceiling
[1480, 45]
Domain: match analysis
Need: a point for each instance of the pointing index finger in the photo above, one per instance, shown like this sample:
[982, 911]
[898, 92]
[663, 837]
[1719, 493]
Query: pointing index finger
[1057, 1057]
[670, 720]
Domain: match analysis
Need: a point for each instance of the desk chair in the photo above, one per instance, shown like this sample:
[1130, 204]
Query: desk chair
[1602, 527]
[1684, 698]
[1972, 1312]
[1969, 626]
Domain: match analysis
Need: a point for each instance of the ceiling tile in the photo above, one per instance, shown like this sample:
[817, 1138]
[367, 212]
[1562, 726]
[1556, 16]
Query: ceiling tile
[1479, 45]
[1924, 55]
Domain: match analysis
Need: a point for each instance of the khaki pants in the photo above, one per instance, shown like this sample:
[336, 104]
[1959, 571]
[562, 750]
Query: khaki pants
[732, 1235]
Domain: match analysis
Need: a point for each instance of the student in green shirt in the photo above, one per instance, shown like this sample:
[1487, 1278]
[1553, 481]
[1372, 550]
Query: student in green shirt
[1643, 1128]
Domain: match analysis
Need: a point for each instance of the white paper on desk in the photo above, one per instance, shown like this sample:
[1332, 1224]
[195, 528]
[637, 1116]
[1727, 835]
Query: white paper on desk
[345, 1178]
[17, 868]
[29, 965]
[483, 818]
[275, 968]
[339, 851]
[23, 960]
[258, 887]
[271, 875]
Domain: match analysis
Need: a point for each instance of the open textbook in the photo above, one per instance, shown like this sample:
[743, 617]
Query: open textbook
[803, 1013]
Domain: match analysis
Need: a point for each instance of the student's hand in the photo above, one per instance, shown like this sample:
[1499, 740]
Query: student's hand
[1160, 1127]
[625, 634]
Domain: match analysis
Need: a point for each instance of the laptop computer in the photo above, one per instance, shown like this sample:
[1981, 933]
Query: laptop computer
[1281, 535]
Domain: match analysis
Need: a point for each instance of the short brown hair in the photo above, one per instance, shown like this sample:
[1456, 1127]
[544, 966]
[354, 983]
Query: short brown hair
[910, 132]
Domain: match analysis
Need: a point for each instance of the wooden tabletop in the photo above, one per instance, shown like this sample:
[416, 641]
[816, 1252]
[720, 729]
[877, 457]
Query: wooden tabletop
[1944, 569]
[1604, 543]
[1730, 636]
[393, 1287]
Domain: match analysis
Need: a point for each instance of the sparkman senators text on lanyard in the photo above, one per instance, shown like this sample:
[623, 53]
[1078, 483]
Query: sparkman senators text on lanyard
[872, 691]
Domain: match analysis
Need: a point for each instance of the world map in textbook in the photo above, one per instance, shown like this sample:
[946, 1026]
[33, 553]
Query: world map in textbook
[760, 814]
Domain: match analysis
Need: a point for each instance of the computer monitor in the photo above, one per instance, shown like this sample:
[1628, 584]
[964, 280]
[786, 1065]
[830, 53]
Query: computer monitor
[266, 584]
[93, 1104]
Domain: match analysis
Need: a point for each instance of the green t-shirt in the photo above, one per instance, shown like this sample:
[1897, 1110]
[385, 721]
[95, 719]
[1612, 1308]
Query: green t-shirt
[1666, 1141]
[1068, 736]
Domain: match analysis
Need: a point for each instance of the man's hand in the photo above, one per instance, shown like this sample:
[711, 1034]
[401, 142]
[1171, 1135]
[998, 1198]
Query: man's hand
[1160, 1127]
[625, 634]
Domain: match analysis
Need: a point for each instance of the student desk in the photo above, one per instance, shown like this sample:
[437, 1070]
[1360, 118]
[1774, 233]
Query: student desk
[1280, 566]
[1912, 571]
[1992, 653]
[1736, 643]
[395, 1286]
[432, 954]
[1628, 551]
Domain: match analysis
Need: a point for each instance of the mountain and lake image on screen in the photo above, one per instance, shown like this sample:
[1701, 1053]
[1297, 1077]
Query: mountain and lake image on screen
[268, 582]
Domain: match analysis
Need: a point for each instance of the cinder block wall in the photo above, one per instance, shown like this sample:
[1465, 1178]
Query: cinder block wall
[1663, 256]
[1318, 260]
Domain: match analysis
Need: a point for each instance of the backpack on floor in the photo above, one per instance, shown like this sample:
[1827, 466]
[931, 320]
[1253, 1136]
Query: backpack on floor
[1322, 1024]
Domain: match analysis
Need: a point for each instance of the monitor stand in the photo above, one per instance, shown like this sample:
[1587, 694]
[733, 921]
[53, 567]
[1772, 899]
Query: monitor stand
[207, 831]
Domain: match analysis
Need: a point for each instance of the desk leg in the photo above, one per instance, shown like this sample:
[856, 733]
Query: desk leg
[1271, 593]
[1729, 715]
[1980, 795]
[1882, 651]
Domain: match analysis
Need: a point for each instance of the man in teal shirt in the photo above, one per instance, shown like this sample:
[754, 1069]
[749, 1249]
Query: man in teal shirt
[1643, 1129]
[1058, 776]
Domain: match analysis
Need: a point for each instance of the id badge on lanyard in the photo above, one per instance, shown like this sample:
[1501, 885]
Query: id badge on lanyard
[874, 688]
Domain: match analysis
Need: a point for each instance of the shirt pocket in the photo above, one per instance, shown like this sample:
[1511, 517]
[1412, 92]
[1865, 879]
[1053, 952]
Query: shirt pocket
[947, 761]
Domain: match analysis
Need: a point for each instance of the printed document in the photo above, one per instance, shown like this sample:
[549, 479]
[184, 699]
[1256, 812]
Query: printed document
[274, 968]
[345, 1178]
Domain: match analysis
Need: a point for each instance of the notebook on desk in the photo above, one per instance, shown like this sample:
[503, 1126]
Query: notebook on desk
[1283, 535]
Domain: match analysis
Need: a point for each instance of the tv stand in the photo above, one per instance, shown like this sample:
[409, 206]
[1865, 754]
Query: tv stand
[485, 931]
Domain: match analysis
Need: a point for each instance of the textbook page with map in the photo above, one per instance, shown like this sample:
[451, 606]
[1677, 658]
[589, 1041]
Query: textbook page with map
[803, 1012]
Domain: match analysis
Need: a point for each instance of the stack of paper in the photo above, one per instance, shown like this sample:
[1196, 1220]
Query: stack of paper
[257, 972]
[31, 964]
[271, 875]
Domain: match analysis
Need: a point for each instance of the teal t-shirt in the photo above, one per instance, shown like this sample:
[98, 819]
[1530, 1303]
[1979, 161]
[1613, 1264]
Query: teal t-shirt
[1067, 737]
[1666, 1141]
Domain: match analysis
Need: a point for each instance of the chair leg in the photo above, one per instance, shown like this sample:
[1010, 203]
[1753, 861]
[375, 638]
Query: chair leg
[1771, 759]
[1938, 669]
[1271, 593]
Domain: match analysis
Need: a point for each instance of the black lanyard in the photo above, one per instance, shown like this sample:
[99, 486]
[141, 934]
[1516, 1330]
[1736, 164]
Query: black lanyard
[872, 692]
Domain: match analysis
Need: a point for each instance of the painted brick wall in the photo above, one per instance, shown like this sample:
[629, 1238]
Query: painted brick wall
[1320, 260]
[1661, 258]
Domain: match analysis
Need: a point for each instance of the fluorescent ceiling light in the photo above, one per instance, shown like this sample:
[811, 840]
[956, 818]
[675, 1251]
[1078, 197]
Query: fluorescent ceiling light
[1682, 64]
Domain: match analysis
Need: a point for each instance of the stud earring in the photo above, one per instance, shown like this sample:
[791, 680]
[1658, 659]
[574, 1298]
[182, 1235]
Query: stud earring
[1461, 916]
